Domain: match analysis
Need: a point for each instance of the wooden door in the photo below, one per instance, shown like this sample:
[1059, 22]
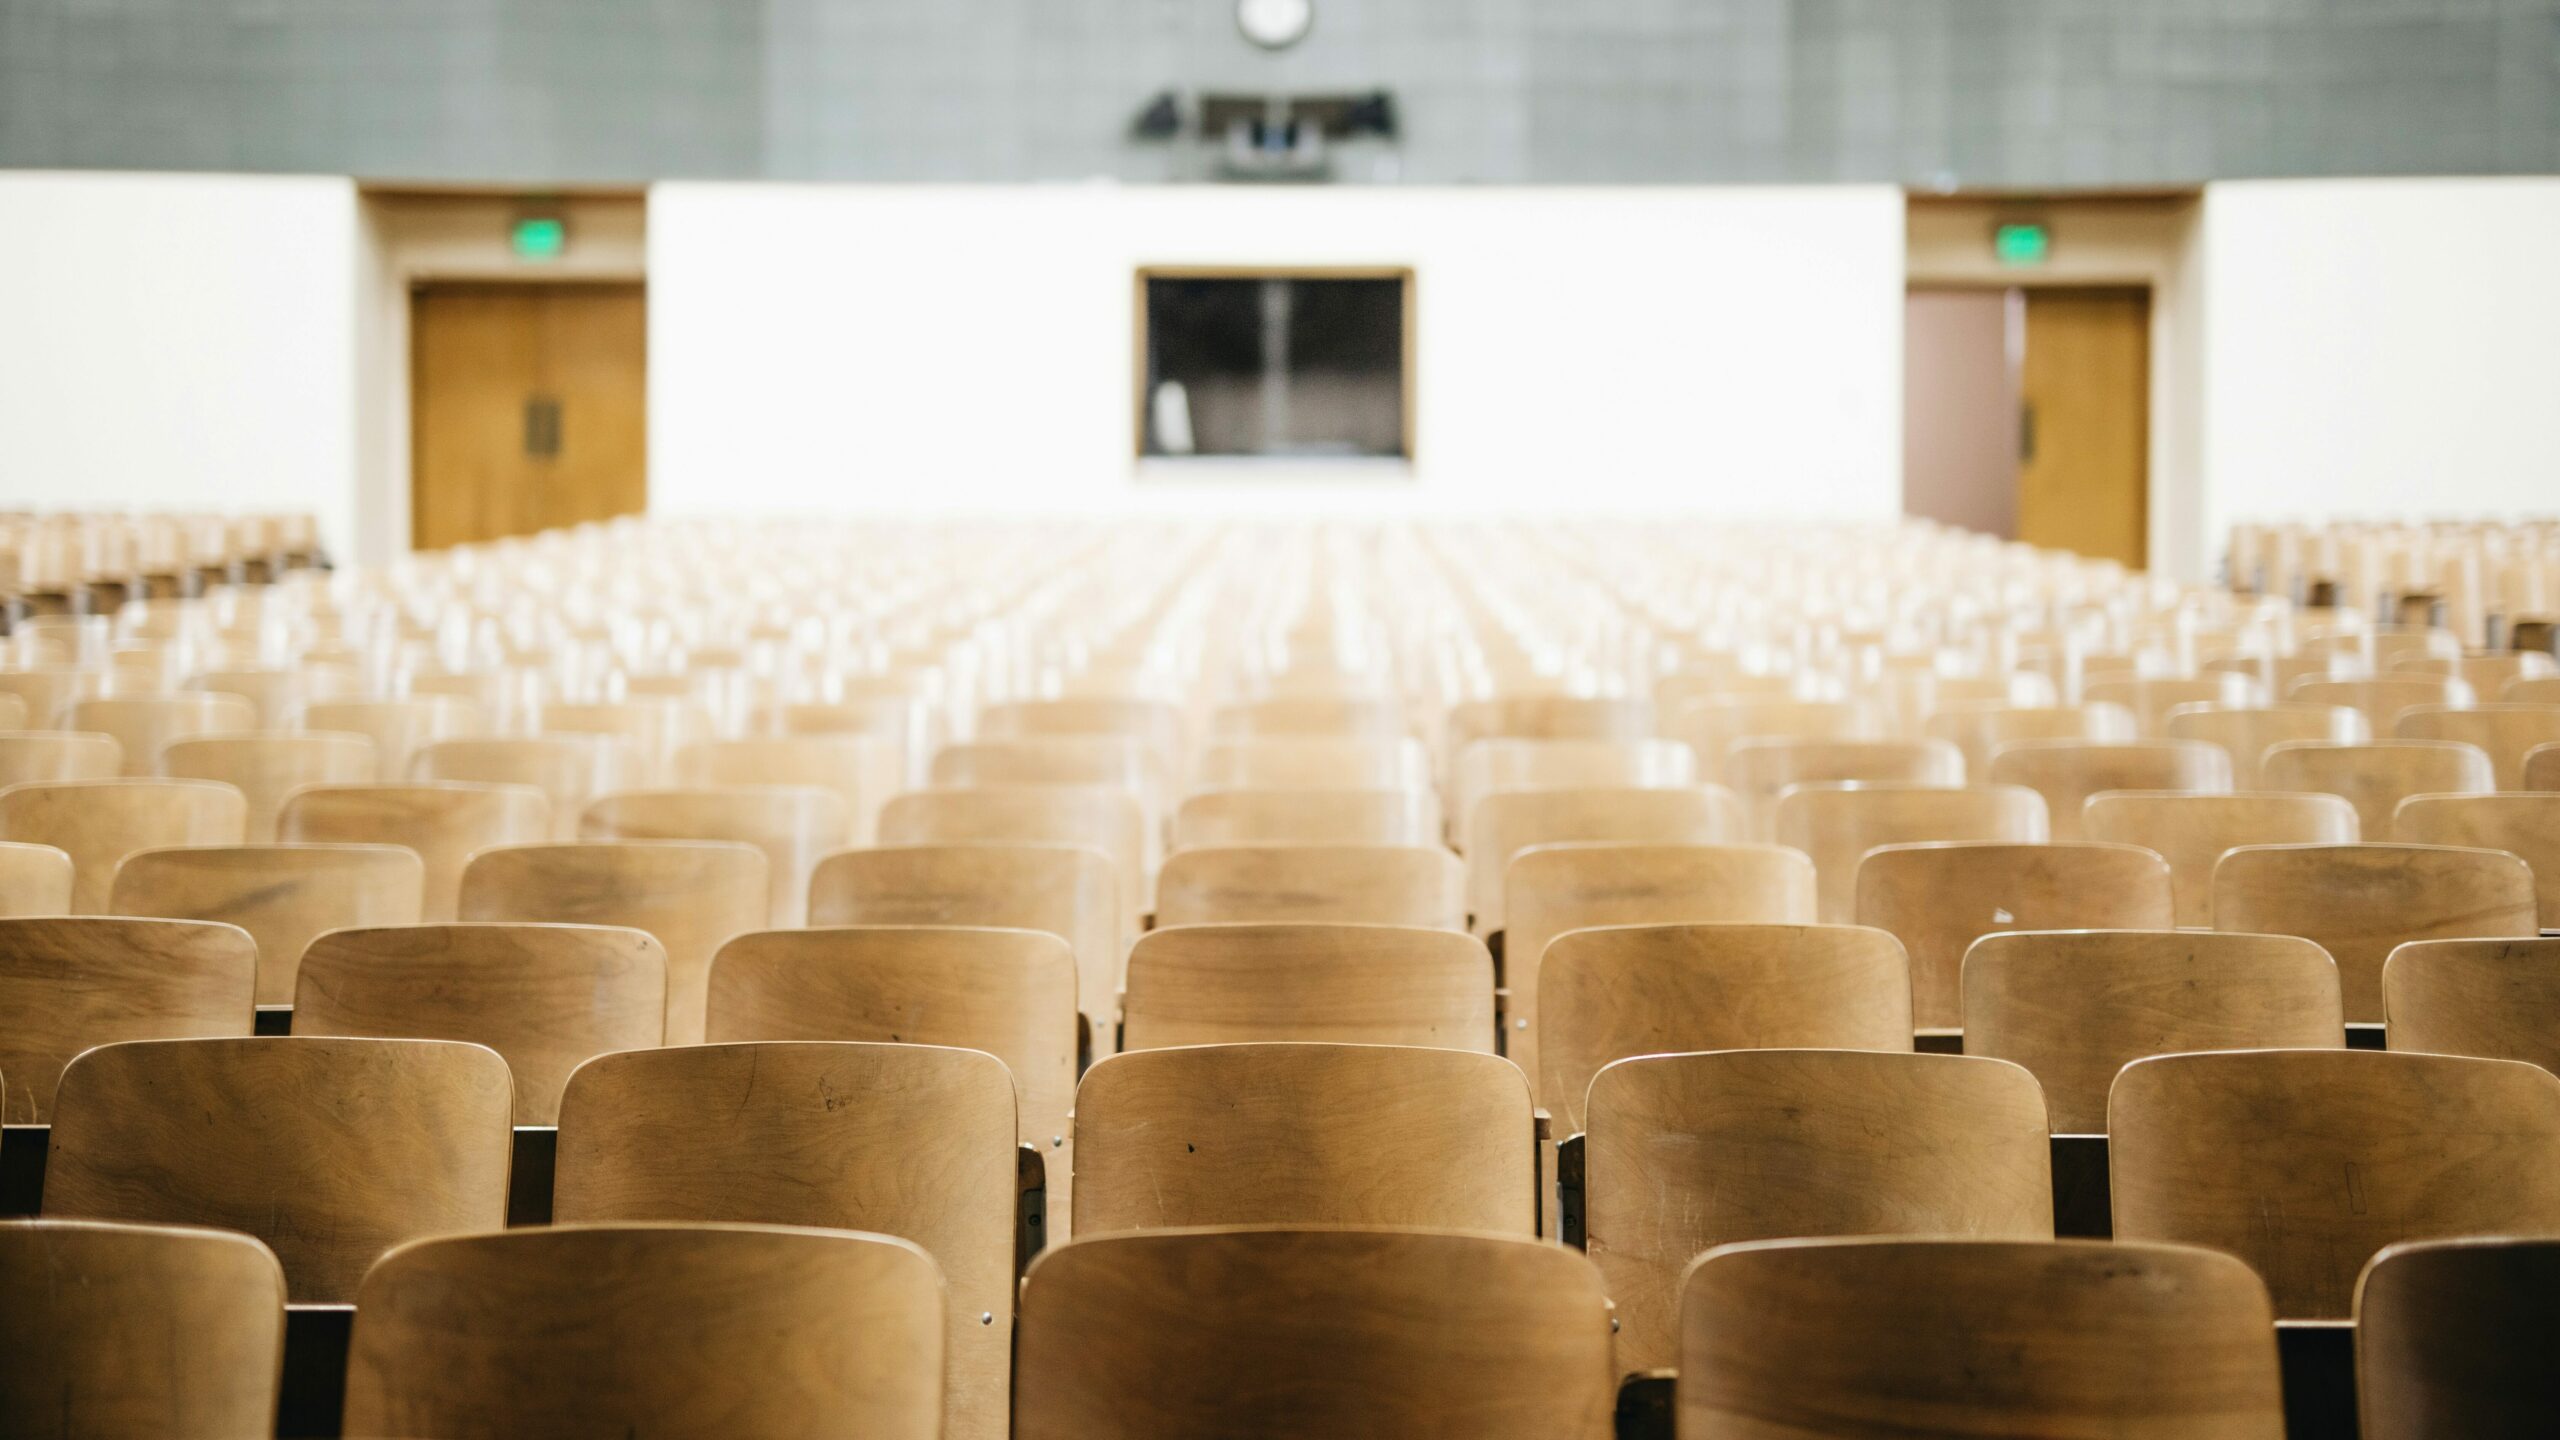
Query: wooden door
[528, 408]
[2085, 402]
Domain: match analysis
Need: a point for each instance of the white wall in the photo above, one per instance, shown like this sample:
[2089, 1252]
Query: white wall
[833, 348]
[2381, 347]
[178, 342]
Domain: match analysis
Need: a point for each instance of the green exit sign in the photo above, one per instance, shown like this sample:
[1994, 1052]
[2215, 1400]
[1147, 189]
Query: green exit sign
[538, 237]
[2021, 242]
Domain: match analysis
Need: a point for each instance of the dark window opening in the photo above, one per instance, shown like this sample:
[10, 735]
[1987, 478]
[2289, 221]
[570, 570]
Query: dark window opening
[1293, 366]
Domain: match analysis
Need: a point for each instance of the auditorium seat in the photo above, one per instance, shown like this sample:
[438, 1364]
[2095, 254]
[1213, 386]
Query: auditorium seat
[2506, 733]
[283, 895]
[1314, 762]
[1492, 767]
[2383, 701]
[1097, 817]
[2067, 772]
[655, 727]
[1837, 824]
[70, 983]
[1759, 770]
[399, 728]
[100, 822]
[2499, 999]
[2377, 776]
[2246, 733]
[1312, 816]
[2542, 768]
[2193, 832]
[1713, 728]
[569, 770]
[2453, 1338]
[2524, 824]
[1979, 730]
[1509, 822]
[34, 880]
[792, 824]
[2360, 901]
[863, 771]
[49, 755]
[2151, 699]
[1355, 717]
[445, 823]
[1368, 984]
[1420, 885]
[265, 766]
[141, 724]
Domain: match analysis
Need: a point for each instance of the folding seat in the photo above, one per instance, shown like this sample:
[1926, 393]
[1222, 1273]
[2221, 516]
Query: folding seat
[399, 729]
[907, 723]
[1096, 817]
[2453, 1337]
[569, 770]
[862, 770]
[1508, 823]
[1492, 767]
[1338, 884]
[2382, 702]
[1344, 983]
[1837, 824]
[48, 691]
[2150, 700]
[1307, 817]
[283, 895]
[1713, 728]
[13, 712]
[1305, 1134]
[2498, 999]
[265, 766]
[2305, 1163]
[34, 880]
[1314, 762]
[2076, 1006]
[915, 1141]
[1980, 730]
[1687, 1152]
[2358, 902]
[1313, 1334]
[656, 728]
[70, 983]
[792, 824]
[49, 755]
[2376, 777]
[2542, 768]
[2192, 832]
[1116, 761]
[2067, 772]
[678, 1332]
[2246, 733]
[2525, 824]
[100, 822]
[1619, 991]
[2488, 672]
[1758, 771]
[1547, 717]
[331, 1151]
[2505, 733]
[445, 823]
[1350, 717]
[2524, 690]
[141, 724]
[1884, 1339]
[137, 1332]
[279, 694]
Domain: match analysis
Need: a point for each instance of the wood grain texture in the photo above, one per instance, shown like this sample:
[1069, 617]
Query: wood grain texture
[141, 724]
[1757, 771]
[1838, 824]
[445, 823]
[1096, 817]
[2376, 777]
[1305, 1135]
[100, 822]
[569, 770]
[285, 896]
[1888, 1339]
[137, 1332]
[2075, 1007]
[861, 770]
[1353, 717]
[2525, 824]
[675, 1332]
[2084, 398]
[399, 729]
[547, 998]
[2067, 772]
[1298, 1334]
[331, 1151]
[1491, 767]
[1332, 884]
[2306, 1162]
[1687, 1152]
[1278, 981]
[45, 755]
[2360, 901]
[67, 984]
[2498, 999]
[793, 825]
[265, 766]
[2453, 1337]
[1980, 729]
[1507, 822]
[915, 1141]
[2247, 732]
[1307, 817]
[34, 880]
[2505, 733]
[2193, 832]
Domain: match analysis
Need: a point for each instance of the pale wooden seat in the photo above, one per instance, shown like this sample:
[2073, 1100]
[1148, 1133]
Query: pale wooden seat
[1713, 728]
[1687, 1152]
[1492, 767]
[2375, 777]
[50, 755]
[1887, 1339]
[2192, 832]
[1305, 1134]
[2525, 824]
[2506, 733]
[915, 1141]
[1154, 723]
[1303, 762]
[285, 896]
[1552, 889]
[69, 983]
[1758, 771]
[2489, 672]
[2077, 1006]
[1095, 817]
[2306, 1162]
[1307, 817]
[2359, 902]
[137, 1332]
[445, 823]
[1346, 716]
[1117, 761]
[279, 694]
[141, 724]
[907, 722]
[265, 766]
[862, 770]
[1547, 717]
[400, 729]
[569, 770]
[100, 822]
[547, 998]
[1335, 884]
[1313, 1334]
[678, 1332]
[2542, 768]
[654, 727]
[48, 692]
[2382, 701]
[2150, 699]
[2453, 1338]
[2067, 772]
[13, 712]
[792, 824]
[2532, 690]
[1837, 824]
[331, 1151]
[1616, 992]
[1352, 984]
[2499, 999]
[2246, 733]
[1508, 823]
[1980, 730]
[34, 880]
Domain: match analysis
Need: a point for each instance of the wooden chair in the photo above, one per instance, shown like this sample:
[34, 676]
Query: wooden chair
[655, 727]
[100, 822]
[1883, 1339]
[906, 722]
[13, 712]
[2359, 902]
[285, 896]
[1349, 984]
[1070, 893]
[1980, 730]
[1328, 884]
[2067, 772]
[34, 880]
[2193, 832]
[1491, 767]
[53, 755]
[1714, 728]
[547, 998]
[862, 770]
[1687, 1152]
[331, 1151]
[2453, 1338]
[2151, 699]
[1114, 761]
[678, 1332]
[141, 724]
[1152, 723]
[1552, 889]
[2505, 733]
[2306, 1162]
[1838, 824]
[2382, 701]
[1312, 1334]
[445, 823]
[49, 691]
[1508, 823]
[1307, 817]
[70, 983]
[1620, 991]
[400, 729]
[569, 770]
[1758, 771]
[1547, 717]
[792, 824]
[2498, 999]
[1094, 816]
[692, 897]
[1347, 717]
[2525, 824]
[2376, 777]
[2247, 732]
[2542, 768]
[266, 766]
[915, 1141]
[137, 1332]
[1304, 762]
[1368, 1135]
[2076, 1006]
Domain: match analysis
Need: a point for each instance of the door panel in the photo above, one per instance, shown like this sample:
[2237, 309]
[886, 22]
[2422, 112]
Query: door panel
[2085, 420]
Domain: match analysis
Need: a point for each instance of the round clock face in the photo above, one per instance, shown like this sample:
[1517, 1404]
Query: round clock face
[1275, 24]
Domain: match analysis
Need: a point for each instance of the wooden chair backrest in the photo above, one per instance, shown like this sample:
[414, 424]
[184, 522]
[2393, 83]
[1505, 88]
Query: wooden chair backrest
[1547, 717]
[792, 824]
[656, 727]
[141, 724]
[1330, 884]
[1349, 984]
[862, 770]
[2498, 999]
[45, 755]
[1506, 823]
[1355, 717]
[2193, 832]
[1758, 771]
[48, 692]
[445, 822]
[2525, 824]
[1714, 728]
[1838, 824]
[1097, 817]
[1315, 762]
[2542, 768]
[285, 896]
[2245, 732]
[2151, 699]
[70, 983]
[2067, 772]
[1118, 761]
[1307, 817]
[34, 880]
[569, 770]
[265, 766]
[1979, 729]
[399, 729]
[2382, 701]
[100, 822]
[2453, 1338]
[2376, 777]
[2360, 901]
[2505, 733]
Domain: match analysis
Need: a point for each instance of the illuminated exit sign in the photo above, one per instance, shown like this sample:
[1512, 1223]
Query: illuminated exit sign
[538, 237]
[2021, 242]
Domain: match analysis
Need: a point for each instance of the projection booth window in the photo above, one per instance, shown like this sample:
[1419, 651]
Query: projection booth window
[1306, 365]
